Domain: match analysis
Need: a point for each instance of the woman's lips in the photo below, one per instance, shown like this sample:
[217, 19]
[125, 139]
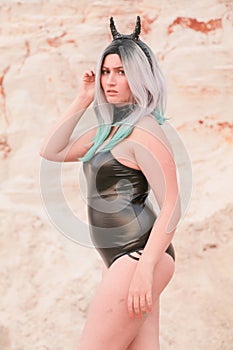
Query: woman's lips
[111, 92]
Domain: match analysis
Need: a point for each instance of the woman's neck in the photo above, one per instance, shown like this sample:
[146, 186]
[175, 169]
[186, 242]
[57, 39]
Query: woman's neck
[121, 112]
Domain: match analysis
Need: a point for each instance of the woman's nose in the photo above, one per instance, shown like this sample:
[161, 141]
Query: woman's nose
[111, 79]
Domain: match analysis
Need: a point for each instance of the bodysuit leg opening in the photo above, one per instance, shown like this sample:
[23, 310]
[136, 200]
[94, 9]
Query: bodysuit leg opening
[170, 251]
[132, 254]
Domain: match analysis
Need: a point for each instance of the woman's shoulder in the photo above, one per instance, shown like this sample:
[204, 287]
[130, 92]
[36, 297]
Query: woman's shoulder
[148, 119]
[148, 125]
[147, 131]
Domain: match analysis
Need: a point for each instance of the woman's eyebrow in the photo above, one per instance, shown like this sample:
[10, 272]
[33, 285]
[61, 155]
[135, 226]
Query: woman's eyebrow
[119, 67]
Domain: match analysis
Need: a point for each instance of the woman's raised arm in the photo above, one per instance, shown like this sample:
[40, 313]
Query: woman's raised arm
[58, 146]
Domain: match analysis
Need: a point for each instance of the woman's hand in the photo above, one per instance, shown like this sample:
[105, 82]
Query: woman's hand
[140, 292]
[87, 88]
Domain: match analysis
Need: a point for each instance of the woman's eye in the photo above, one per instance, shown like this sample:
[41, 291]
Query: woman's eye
[121, 72]
[104, 71]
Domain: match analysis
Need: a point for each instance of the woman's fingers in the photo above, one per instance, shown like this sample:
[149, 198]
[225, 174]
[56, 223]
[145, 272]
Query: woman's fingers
[139, 305]
[143, 307]
[88, 84]
[89, 75]
[149, 301]
[89, 72]
[136, 305]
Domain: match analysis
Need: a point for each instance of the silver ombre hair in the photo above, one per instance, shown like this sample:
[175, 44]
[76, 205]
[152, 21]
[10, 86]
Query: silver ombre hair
[147, 85]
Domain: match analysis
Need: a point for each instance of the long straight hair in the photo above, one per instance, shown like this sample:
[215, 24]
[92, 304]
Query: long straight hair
[147, 85]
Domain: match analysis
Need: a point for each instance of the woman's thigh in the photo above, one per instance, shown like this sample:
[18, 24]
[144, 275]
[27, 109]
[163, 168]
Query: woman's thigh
[108, 324]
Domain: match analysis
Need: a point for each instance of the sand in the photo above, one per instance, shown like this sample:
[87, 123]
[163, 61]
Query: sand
[47, 281]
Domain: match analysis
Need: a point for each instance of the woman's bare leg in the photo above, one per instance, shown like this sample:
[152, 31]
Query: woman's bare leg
[148, 335]
[108, 325]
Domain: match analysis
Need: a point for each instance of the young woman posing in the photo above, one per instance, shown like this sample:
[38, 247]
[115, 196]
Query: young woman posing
[124, 157]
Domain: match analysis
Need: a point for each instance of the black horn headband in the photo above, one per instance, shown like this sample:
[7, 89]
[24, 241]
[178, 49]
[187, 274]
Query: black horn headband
[134, 36]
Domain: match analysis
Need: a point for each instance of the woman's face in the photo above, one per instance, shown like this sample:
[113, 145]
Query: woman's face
[114, 82]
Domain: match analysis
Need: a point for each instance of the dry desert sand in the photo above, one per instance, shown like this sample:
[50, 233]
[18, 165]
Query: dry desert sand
[47, 281]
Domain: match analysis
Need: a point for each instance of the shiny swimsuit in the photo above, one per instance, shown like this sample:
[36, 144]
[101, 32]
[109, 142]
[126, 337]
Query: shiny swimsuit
[120, 218]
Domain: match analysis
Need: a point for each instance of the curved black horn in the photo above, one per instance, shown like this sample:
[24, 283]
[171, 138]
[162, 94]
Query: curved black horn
[137, 30]
[115, 33]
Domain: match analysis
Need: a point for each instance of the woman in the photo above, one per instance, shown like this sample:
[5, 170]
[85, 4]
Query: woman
[123, 158]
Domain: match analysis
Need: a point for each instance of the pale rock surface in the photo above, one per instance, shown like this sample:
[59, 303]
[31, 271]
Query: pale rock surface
[47, 281]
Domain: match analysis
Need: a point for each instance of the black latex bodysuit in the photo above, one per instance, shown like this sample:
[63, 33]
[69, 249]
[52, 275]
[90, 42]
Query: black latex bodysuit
[119, 213]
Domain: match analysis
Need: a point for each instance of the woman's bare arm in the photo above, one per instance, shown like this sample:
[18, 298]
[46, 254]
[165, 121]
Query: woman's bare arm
[58, 146]
[154, 157]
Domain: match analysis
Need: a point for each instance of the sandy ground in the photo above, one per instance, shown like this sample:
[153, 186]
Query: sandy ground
[46, 280]
[47, 284]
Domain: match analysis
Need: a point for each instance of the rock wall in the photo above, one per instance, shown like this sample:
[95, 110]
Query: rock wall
[46, 281]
